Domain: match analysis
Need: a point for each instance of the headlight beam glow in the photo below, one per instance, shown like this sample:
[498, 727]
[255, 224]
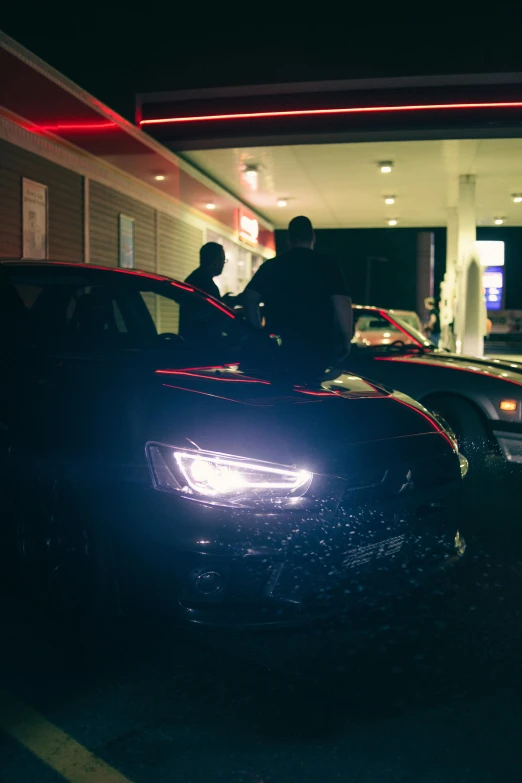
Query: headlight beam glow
[206, 474]
[213, 475]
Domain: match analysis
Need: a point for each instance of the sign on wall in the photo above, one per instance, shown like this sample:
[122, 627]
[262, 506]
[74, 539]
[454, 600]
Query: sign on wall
[34, 220]
[248, 228]
[126, 242]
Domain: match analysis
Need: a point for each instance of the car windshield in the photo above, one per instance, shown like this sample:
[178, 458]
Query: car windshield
[407, 324]
[412, 319]
[92, 310]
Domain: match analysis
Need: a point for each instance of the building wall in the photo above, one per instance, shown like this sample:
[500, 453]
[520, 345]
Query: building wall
[65, 204]
[162, 243]
[105, 207]
[178, 255]
[179, 244]
[85, 200]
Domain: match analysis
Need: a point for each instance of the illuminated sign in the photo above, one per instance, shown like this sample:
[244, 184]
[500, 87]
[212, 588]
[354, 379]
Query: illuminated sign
[491, 253]
[248, 228]
[493, 282]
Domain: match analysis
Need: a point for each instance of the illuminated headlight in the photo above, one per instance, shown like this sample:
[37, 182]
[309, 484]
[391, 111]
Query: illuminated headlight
[206, 474]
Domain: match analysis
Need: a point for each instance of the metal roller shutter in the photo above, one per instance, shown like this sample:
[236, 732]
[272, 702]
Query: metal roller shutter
[105, 206]
[65, 231]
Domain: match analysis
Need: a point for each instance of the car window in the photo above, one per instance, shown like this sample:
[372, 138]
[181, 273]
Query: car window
[68, 310]
[367, 323]
[28, 293]
[91, 309]
[411, 319]
[164, 312]
[415, 333]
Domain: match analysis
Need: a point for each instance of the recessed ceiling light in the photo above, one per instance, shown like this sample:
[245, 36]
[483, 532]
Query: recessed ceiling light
[250, 175]
[392, 222]
[210, 205]
[499, 221]
[517, 198]
[160, 177]
[386, 166]
[389, 199]
[282, 202]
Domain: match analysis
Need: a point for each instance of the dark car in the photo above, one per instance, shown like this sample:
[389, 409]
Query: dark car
[157, 456]
[480, 398]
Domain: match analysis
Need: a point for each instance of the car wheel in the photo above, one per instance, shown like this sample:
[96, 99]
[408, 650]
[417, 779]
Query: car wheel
[63, 561]
[472, 436]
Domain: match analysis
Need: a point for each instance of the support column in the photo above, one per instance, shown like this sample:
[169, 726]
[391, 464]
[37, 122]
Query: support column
[470, 314]
[461, 293]
[448, 289]
[425, 263]
[467, 231]
[452, 238]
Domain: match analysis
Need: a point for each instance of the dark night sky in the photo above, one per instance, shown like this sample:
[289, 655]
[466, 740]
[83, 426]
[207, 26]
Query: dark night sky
[114, 52]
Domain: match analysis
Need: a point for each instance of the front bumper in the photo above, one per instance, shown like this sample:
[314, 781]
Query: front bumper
[242, 568]
[346, 598]
[388, 525]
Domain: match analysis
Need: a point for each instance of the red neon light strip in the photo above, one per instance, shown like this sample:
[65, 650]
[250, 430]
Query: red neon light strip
[211, 377]
[351, 110]
[433, 423]
[133, 272]
[78, 126]
[151, 276]
[400, 328]
[301, 390]
[200, 369]
[220, 307]
[184, 286]
[217, 396]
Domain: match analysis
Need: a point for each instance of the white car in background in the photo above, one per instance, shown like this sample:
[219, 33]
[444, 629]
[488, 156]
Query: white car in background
[373, 330]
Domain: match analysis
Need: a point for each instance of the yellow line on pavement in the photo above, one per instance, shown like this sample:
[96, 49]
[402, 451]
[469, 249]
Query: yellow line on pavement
[52, 745]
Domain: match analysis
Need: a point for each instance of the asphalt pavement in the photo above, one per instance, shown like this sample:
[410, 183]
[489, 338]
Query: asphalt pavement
[427, 691]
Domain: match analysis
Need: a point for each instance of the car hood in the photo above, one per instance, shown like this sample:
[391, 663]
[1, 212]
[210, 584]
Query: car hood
[493, 368]
[225, 410]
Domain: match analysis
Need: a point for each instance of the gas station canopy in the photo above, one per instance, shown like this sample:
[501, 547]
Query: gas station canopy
[341, 185]
[317, 148]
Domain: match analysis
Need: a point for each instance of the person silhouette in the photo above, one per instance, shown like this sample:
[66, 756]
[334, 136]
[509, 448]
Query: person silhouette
[306, 302]
[212, 261]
